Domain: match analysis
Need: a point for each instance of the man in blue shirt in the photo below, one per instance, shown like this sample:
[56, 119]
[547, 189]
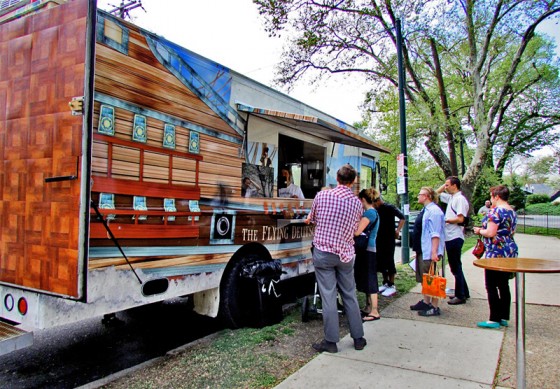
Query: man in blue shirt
[433, 245]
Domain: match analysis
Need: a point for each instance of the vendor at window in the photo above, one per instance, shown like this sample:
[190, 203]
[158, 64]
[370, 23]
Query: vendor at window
[248, 188]
[288, 189]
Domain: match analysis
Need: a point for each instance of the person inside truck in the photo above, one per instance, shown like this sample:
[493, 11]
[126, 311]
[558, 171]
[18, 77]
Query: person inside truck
[289, 190]
[248, 188]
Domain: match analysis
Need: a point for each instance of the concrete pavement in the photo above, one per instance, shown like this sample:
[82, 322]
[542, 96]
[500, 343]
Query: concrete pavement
[408, 351]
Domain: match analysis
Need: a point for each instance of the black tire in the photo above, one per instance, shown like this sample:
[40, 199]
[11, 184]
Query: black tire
[305, 309]
[241, 302]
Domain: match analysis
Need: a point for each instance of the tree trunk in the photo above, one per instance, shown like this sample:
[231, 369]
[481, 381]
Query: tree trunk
[445, 109]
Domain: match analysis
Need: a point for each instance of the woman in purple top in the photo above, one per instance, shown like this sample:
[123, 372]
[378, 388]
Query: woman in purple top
[498, 228]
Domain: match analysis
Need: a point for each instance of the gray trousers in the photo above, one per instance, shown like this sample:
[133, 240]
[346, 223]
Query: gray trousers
[330, 272]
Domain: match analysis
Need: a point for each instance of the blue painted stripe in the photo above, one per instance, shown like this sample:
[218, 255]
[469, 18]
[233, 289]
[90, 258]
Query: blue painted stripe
[248, 206]
[184, 270]
[111, 252]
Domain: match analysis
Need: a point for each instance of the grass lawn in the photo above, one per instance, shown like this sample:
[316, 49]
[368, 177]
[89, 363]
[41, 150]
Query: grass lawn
[470, 241]
[248, 357]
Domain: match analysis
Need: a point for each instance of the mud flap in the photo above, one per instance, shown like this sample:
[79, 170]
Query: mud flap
[262, 280]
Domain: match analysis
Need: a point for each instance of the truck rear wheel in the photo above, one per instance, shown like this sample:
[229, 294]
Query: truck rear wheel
[243, 303]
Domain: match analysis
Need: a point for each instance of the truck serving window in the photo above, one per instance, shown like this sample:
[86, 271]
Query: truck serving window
[301, 171]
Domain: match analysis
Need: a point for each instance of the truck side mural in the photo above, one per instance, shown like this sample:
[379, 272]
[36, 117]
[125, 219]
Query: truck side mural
[135, 171]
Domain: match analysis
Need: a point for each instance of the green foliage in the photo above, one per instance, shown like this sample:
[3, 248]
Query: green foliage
[538, 199]
[517, 196]
[477, 219]
[543, 209]
[477, 73]
[538, 169]
[481, 193]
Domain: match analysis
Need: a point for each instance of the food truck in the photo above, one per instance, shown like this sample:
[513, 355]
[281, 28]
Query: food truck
[136, 171]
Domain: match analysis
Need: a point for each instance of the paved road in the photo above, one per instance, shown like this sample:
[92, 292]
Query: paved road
[73, 355]
[539, 221]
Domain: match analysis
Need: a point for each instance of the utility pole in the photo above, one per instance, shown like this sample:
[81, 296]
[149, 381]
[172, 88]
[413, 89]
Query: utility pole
[462, 148]
[405, 246]
[123, 10]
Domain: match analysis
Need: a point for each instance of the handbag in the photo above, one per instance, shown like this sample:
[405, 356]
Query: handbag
[432, 283]
[479, 249]
[361, 241]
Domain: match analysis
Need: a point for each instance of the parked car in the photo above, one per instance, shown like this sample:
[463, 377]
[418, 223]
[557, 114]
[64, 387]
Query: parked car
[411, 219]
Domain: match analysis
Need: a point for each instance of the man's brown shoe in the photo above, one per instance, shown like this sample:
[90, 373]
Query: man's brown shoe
[456, 301]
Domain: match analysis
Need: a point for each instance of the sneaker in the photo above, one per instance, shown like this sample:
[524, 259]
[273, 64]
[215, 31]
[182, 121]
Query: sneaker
[360, 343]
[420, 306]
[390, 291]
[456, 301]
[383, 287]
[488, 324]
[504, 323]
[433, 311]
[327, 346]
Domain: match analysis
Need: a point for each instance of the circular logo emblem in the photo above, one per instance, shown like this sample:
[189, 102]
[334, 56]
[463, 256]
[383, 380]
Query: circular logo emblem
[223, 225]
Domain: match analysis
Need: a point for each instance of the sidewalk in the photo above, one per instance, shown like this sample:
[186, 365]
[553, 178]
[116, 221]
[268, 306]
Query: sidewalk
[408, 351]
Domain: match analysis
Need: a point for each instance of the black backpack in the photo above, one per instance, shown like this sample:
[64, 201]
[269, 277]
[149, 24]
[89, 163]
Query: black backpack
[467, 221]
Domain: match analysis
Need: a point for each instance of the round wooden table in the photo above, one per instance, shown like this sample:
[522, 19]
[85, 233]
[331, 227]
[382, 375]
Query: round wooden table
[520, 266]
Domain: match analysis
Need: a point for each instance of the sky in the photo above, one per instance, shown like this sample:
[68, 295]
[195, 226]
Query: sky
[231, 32]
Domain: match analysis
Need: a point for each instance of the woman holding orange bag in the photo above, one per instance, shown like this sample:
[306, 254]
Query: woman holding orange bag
[498, 227]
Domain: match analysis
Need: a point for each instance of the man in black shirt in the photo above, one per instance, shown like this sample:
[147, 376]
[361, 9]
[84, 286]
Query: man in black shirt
[385, 243]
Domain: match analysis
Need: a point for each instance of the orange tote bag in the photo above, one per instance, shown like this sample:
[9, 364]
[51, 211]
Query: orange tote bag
[432, 283]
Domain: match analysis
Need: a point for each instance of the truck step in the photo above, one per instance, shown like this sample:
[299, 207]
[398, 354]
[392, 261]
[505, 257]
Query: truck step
[13, 338]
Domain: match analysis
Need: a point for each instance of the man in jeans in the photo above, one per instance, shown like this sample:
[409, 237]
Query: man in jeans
[457, 210]
[337, 213]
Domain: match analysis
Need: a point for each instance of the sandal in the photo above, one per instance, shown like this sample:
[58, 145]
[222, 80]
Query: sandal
[370, 318]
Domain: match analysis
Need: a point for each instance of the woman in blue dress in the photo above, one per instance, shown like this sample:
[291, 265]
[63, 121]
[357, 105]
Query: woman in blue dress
[498, 228]
[365, 267]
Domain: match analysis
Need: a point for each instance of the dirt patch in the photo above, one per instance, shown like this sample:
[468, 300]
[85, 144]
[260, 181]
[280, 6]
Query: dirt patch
[256, 358]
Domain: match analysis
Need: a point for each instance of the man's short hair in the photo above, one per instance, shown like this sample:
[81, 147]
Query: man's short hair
[454, 181]
[346, 174]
